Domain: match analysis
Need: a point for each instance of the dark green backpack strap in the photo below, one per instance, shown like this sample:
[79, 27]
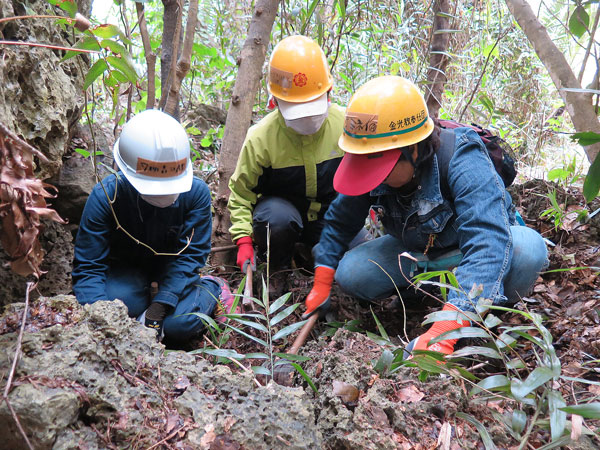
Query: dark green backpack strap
[444, 155]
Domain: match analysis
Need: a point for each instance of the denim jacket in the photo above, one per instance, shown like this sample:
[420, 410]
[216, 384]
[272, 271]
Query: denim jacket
[101, 243]
[476, 218]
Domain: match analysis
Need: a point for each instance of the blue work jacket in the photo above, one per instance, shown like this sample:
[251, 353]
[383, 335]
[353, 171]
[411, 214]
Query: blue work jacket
[474, 216]
[182, 227]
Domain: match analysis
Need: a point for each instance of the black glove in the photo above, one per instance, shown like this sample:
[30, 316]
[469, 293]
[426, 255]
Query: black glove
[154, 317]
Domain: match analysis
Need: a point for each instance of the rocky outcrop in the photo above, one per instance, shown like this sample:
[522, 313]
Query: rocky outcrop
[40, 98]
[94, 375]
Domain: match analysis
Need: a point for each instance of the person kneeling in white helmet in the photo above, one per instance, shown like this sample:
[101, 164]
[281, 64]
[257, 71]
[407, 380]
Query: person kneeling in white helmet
[158, 230]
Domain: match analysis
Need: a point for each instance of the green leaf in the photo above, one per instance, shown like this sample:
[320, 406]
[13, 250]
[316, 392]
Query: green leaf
[586, 410]
[292, 357]
[519, 421]
[591, 185]
[586, 138]
[119, 76]
[384, 362]
[451, 315]
[485, 436]
[68, 6]
[283, 314]
[251, 324]
[106, 31]
[465, 332]
[306, 377]
[558, 418]
[260, 370]
[579, 21]
[206, 319]
[288, 330]
[539, 376]
[124, 66]
[482, 351]
[491, 321]
[83, 152]
[495, 382]
[86, 43]
[382, 331]
[257, 355]
[95, 71]
[114, 47]
[222, 352]
[279, 303]
[249, 336]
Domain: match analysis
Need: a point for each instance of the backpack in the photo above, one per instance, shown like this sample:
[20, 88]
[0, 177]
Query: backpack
[500, 152]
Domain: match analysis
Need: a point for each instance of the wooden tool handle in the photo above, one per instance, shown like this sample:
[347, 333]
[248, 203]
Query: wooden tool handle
[248, 287]
[304, 331]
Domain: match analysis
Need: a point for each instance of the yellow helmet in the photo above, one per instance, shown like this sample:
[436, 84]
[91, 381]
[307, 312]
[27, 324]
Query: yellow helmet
[298, 70]
[385, 113]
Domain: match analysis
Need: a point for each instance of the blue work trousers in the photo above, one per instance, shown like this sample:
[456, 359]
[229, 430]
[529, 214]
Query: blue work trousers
[132, 286]
[359, 276]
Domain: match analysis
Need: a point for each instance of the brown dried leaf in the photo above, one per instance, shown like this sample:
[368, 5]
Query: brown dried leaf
[443, 441]
[208, 437]
[410, 394]
[173, 421]
[229, 422]
[345, 391]
[576, 425]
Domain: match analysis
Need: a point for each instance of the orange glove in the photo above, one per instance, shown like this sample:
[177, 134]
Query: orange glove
[446, 346]
[319, 294]
[245, 254]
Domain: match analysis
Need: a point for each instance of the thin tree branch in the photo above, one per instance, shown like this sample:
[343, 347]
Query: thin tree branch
[482, 74]
[150, 55]
[30, 287]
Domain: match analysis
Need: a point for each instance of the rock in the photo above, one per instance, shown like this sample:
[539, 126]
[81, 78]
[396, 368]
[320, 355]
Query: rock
[40, 98]
[109, 373]
[57, 243]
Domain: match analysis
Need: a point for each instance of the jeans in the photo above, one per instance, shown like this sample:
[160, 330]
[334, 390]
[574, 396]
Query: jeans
[132, 286]
[362, 278]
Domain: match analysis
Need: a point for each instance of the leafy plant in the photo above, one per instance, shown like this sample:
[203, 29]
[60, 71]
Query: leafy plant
[555, 212]
[263, 320]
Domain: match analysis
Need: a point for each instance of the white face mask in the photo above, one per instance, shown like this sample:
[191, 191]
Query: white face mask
[307, 125]
[160, 201]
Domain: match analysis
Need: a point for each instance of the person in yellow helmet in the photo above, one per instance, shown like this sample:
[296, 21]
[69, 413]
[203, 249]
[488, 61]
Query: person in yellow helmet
[437, 195]
[283, 180]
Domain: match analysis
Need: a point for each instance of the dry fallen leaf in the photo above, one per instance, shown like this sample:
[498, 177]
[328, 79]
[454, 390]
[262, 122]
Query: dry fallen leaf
[345, 391]
[443, 441]
[410, 394]
[209, 436]
[229, 422]
[576, 424]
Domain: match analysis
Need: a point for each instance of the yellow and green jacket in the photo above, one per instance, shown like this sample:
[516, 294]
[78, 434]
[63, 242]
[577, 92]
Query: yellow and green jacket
[275, 160]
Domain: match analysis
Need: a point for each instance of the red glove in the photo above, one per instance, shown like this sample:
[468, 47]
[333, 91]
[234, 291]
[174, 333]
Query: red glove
[319, 294]
[245, 254]
[446, 346]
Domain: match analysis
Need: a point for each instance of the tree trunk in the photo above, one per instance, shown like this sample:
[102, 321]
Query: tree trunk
[579, 105]
[438, 60]
[172, 18]
[183, 63]
[239, 114]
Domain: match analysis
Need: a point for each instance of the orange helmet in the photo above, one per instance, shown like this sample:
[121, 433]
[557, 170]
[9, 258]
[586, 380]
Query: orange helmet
[383, 114]
[298, 70]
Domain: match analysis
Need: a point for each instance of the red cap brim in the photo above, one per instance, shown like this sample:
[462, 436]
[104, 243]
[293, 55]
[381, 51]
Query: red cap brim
[359, 174]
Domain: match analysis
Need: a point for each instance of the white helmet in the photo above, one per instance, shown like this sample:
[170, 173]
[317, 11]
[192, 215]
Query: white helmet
[153, 152]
